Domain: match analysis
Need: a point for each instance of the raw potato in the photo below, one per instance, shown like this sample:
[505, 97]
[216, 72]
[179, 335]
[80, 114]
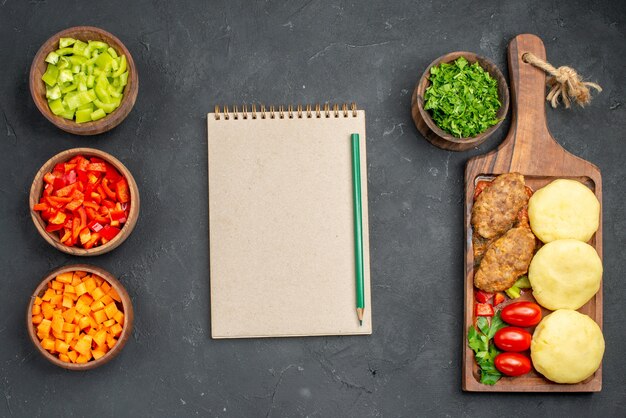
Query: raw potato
[567, 347]
[565, 274]
[564, 209]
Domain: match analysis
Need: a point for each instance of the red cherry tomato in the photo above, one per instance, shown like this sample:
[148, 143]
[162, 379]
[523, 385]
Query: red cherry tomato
[512, 339]
[512, 364]
[522, 314]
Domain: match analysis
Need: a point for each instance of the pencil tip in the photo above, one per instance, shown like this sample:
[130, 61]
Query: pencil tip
[360, 322]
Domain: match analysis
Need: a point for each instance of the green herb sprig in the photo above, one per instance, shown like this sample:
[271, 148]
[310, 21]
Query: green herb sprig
[479, 340]
[462, 98]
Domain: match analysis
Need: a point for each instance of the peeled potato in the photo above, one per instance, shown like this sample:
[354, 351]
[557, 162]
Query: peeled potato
[564, 209]
[567, 347]
[565, 274]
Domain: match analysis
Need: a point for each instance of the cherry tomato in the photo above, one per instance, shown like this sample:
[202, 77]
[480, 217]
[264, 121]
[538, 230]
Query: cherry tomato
[512, 339]
[522, 314]
[512, 364]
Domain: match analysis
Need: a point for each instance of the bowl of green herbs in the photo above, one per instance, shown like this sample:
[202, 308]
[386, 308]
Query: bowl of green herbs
[460, 100]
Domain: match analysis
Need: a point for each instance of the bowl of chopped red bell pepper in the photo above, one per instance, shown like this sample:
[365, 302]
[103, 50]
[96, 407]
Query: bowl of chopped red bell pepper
[84, 202]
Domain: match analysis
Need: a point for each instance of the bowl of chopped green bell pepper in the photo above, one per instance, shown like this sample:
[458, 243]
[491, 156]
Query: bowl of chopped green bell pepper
[460, 101]
[84, 80]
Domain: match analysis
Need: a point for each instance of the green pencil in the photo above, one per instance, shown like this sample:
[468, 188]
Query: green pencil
[358, 226]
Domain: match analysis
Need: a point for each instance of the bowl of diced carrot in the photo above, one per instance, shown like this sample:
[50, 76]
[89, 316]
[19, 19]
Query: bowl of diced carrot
[79, 317]
[84, 202]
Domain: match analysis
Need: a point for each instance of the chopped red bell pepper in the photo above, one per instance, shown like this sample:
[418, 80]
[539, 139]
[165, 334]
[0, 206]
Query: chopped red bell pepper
[498, 298]
[105, 186]
[85, 201]
[109, 232]
[484, 309]
[100, 167]
[95, 226]
[41, 207]
[121, 188]
[483, 297]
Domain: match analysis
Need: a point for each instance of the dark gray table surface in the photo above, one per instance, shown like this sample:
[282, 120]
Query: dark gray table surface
[194, 55]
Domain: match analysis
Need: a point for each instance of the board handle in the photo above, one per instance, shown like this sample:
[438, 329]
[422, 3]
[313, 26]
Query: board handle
[528, 83]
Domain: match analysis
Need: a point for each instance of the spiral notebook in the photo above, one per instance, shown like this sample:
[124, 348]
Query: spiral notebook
[281, 235]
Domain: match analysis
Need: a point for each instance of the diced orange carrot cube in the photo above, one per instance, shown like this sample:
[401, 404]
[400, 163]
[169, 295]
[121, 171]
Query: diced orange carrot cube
[92, 321]
[97, 305]
[91, 332]
[65, 277]
[76, 280]
[106, 299]
[68, 327]
[99, 280]
[97, 293]
[77, 331]
[47, 309]
[84, 322]
[64, 357]
[37, 301]
[37, 319]
[57, 323]
[114, 295]
[100, 337]
[111, 310]
[69, 289]
[48, 344]
[72, 355]
[44, 326]
[111, 343]
[85, 299]
[83, 309]
[48, 295]
[60, 346]
[69, 315]
[80, 289]
[105, 286]
[116, 330]
[97, 354]
[80, 274]
[82, 359]
[103, 348]
[57, 300]
[69, 336]
[58, 335]
[83, 346]
[67, 302]
[99, 316]
[119, 317]
[90, 283]
[109, 322]
[56, 285]
[36, 309]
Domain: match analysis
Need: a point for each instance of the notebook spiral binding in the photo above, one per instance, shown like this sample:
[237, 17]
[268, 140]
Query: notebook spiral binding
[272, 112]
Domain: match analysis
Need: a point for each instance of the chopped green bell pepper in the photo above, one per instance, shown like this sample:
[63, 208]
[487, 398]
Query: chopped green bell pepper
[83, 115]
[64, 42]
[98, 114]
[52, 57]
[51, 75]
[53, 93]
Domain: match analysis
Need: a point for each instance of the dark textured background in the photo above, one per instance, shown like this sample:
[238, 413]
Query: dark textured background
[193, 55]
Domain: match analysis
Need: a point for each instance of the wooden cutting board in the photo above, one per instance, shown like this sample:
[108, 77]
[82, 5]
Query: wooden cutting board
[531, 150]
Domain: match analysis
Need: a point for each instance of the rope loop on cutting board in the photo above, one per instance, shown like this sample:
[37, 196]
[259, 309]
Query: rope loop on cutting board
[564, 82]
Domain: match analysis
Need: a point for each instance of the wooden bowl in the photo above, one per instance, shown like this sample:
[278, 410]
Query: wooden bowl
[37, 188]
[38, 88]
[429, 129]
[127, 307]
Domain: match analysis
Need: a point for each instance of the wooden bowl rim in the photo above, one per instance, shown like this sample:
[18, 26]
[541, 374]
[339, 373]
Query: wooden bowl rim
[88, 128]
[36, 190]
[127, 306]
[471, 57]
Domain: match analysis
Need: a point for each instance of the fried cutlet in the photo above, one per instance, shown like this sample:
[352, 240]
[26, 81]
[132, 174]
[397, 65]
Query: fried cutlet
[505, 260]
[496, 208]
